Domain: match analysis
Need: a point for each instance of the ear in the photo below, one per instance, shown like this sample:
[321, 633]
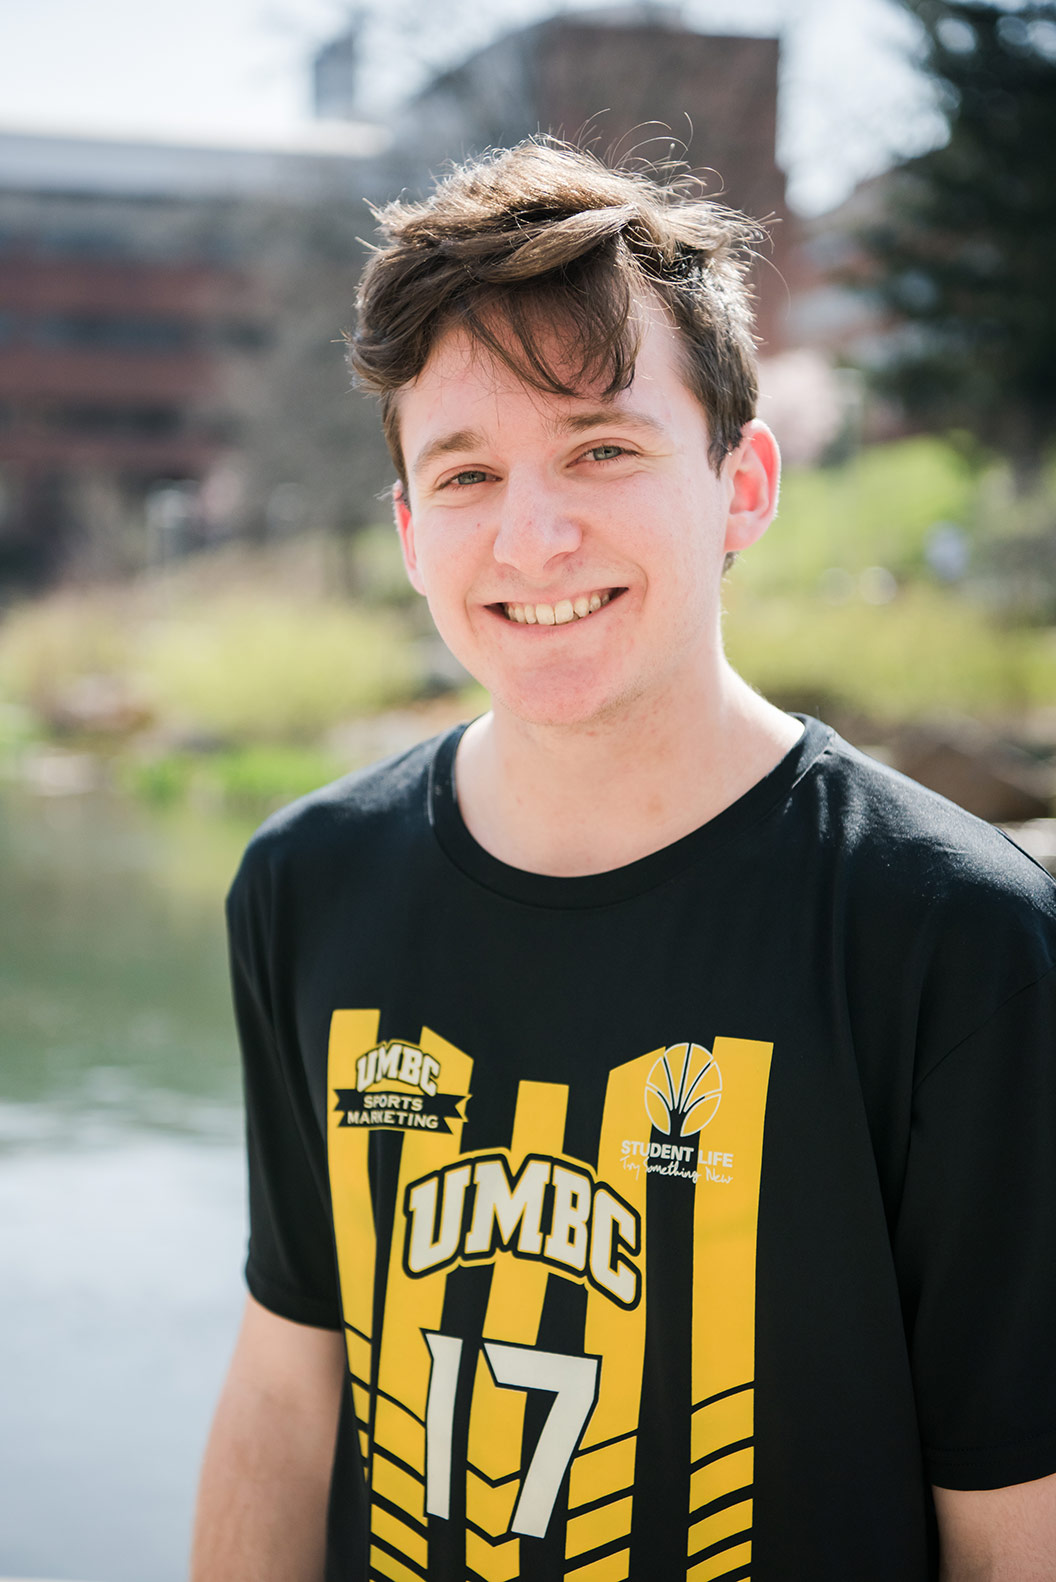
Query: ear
[405, 528]
[754, 474]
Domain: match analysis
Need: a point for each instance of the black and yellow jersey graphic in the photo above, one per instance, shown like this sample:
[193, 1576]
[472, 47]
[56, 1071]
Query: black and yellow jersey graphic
[551, 1333]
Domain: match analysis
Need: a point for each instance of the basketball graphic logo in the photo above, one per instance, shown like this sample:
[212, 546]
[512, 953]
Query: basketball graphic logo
[683, 1090]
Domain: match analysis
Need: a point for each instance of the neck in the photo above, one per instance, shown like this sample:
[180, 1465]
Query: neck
[574, 800]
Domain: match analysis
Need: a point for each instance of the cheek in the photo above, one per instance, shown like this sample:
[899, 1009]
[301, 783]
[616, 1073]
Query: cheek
[682, 541]
[447, 571]
[456, 551]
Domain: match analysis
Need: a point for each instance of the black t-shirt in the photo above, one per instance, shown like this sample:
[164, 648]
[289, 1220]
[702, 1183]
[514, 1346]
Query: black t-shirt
[683, 1220]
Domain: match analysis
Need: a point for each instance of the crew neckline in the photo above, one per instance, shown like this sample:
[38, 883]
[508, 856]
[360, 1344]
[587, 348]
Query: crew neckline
[615, 884]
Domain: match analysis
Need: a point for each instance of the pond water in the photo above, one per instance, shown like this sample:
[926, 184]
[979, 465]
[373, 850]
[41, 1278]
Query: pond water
[121, 1180]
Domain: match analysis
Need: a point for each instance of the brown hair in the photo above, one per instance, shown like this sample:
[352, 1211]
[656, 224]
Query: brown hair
[544, 235]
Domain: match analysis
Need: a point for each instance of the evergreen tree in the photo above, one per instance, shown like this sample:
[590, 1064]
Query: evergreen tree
[966, 252]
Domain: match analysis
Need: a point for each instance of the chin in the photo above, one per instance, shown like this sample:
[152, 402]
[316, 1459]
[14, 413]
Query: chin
[560, 708]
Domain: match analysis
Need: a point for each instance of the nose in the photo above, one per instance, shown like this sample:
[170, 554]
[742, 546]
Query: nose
[535, 527]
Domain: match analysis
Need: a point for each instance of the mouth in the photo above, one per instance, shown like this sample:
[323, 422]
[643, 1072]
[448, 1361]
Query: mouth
[560, 614]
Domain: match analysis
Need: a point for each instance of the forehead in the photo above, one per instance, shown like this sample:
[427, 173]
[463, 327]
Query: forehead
[465, 391]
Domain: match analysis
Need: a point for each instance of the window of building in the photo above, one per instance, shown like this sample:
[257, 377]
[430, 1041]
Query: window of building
[245, 336]
[119, 422]
[82, 242]
[99, 332]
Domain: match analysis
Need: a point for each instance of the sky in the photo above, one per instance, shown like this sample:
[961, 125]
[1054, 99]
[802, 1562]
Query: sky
[238, 69]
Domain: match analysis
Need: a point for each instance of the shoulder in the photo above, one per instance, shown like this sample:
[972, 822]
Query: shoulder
[906, 835]
[320, 835]
[947, 911]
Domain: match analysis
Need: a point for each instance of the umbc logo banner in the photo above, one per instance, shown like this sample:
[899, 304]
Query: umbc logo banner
[393, 1111]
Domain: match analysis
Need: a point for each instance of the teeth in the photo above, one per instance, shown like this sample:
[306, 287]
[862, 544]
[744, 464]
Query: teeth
[559, 614]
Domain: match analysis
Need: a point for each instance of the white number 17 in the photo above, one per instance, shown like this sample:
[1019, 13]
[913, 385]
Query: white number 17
[573, 1381]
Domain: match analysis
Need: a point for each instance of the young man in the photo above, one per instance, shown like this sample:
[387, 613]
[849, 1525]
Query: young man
[652, 1102]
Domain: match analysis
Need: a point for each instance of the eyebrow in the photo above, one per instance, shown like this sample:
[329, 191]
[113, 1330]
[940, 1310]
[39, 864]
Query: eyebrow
[576, 422]
[444, 444]
[573, 423]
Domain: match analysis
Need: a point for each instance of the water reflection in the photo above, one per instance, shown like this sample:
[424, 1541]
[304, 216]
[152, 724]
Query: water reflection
[121, 1191]
[111, 958]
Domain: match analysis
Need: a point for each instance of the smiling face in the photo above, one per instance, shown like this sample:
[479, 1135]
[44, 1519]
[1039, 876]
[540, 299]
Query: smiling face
[571, 548]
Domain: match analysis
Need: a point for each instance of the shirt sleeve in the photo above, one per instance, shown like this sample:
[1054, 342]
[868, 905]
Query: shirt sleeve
[290, 1267]
[976, 1247]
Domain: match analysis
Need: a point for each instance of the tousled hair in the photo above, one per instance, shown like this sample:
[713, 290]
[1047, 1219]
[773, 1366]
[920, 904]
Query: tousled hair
[543, 237]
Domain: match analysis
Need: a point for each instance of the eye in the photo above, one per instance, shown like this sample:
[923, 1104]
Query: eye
[465, 478]
[607, 452]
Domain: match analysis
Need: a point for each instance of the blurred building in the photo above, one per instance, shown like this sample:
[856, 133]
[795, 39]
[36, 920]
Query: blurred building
[132, 309]
[829, 308]
[635, 81]
[335, 77]
[834, 316]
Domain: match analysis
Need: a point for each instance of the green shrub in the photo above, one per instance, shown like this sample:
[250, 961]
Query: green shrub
[248, 780]
[379, 566]
[927, 650]
[48, 645]
[238, 664]
[264, 668]
[163, 780]
[875, 509]
[267, 775]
